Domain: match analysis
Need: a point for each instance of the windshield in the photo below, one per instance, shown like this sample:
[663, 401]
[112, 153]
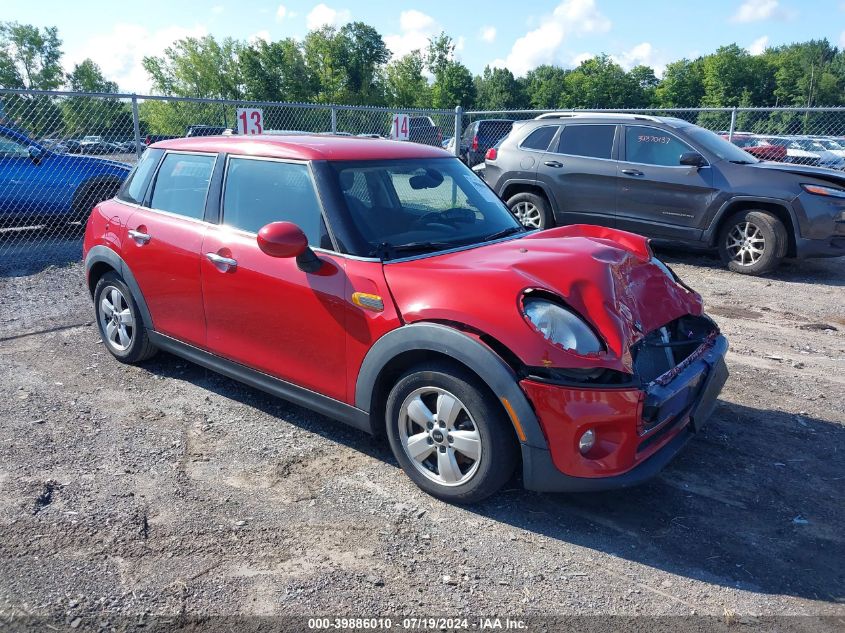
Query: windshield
[405, 207]
[809, 145]
[715, 144]
[831, 144]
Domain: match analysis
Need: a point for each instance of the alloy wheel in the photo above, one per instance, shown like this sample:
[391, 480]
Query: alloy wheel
[745, 243]
[528, 214]
[439, 436]
[116, 318]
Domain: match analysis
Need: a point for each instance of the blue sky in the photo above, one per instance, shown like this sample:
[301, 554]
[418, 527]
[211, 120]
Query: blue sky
[117, 35]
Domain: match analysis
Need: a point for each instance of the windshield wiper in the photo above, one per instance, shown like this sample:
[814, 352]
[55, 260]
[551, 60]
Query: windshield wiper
[386, 250]
[741, 162]
[504, 233]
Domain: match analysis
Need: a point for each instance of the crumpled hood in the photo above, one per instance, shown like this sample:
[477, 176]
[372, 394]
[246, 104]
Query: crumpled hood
[603, 274]
[822, 173]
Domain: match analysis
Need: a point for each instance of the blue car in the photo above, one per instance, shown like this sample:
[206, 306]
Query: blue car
[38, 185]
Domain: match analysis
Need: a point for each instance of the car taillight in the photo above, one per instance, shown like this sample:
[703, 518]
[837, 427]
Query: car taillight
[475, 143]
[491, 154]
[147, 140]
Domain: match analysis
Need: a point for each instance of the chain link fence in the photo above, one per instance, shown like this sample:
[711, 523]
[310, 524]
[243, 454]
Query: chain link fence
[62, 152]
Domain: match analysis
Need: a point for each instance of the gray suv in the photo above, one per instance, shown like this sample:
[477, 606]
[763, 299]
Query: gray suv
[672, 181]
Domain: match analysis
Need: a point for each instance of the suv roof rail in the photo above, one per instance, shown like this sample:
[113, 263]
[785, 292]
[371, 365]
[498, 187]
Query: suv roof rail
[598, 115]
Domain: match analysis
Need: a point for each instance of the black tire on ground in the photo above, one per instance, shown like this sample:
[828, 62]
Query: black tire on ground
[532, 210]
[481, 414]
[91, 196]
[753, 242]
[139, 348]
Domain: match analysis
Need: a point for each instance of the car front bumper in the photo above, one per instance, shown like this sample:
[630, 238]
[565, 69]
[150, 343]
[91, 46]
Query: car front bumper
[675, 405]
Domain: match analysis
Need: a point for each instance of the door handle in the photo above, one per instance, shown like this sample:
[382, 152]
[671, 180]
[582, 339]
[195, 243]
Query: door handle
[553, 163]
[140, 238]
[632, 172]
[227, 263]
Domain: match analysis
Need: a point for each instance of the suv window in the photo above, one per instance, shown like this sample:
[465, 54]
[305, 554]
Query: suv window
[593, 141]
[540, 138]
[258, 192]
[652, 146]
[182, 184]
[135, 185]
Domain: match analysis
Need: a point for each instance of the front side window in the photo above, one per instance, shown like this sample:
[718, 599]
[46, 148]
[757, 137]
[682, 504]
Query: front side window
[182, 184]
[592, 141]
[653, 146]
[540, 138]
[10, 148]
[404, 207]
[258, 192]
[135, 185]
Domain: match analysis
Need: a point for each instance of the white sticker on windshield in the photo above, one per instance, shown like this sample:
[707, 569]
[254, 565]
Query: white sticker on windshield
[481, 188]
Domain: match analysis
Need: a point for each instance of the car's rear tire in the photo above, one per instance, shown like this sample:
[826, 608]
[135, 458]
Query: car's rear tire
[91, 196]
[531, 210]
[119, 321]
[449, 434]
[753, 242]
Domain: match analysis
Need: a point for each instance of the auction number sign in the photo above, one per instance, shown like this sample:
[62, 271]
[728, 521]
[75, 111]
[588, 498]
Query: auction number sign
[399, 127]
[250, 121]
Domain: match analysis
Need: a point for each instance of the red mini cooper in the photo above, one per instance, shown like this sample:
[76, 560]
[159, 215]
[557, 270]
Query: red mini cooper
[385, 285]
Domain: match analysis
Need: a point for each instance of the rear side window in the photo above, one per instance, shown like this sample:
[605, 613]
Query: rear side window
[258, 192]
[540, 138]
[494, 129]
[652, 146]
[135, 185]
[592, 141]
[182, 184]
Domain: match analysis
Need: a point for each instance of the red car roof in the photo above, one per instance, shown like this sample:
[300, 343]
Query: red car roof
[306, 147]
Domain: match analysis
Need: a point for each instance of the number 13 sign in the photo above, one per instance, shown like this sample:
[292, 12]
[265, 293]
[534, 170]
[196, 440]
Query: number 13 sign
[399, 127]
[250, 121]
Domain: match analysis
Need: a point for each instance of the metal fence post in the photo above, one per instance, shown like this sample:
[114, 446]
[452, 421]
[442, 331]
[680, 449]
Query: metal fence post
[459, 119]
[334, 120]
[733, 124]
[136, 125]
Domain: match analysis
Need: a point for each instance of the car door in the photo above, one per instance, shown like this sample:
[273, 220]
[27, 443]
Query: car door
[658, 196]
[26, 191]
[580, 171]
[264, 312]
[163, 244]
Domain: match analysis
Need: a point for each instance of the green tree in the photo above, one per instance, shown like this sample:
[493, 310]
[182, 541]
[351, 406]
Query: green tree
[682, 85]
[602, 83]
[453, 82]
[498, 89]
[405, 84]
[644, 77]
[275, 71]
[365, 55]
[325, 57]
[198, 67]
[94, 115]
[545, 87]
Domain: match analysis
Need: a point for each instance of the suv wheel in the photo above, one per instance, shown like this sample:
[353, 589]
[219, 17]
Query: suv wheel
[753, 242]
[449, 434]
[531, 210]
[119, 321]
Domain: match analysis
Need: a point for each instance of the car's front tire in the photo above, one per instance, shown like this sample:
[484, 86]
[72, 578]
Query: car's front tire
[449, 434]
[753, 242]
[119, 321]
[531, 210]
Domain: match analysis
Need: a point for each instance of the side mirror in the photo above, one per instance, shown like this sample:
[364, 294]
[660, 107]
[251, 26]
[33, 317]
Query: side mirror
[693, 159]
[286, 239]
[35, 153]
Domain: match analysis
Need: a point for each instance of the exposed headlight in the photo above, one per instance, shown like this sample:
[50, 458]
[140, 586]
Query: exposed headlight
[820, 190]
[560, 326]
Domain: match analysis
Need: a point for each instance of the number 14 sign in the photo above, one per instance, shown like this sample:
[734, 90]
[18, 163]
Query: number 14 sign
[250, 121]
[399, 127]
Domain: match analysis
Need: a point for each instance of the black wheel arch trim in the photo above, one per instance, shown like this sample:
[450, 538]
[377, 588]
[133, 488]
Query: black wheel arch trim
[710, 234]
[530, 183]
[86, 185]
[103, 254]
[442, 339]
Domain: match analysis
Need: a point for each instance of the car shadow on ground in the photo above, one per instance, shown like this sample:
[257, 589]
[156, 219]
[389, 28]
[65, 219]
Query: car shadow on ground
[753, 502]
[25, 253]
[827, 271]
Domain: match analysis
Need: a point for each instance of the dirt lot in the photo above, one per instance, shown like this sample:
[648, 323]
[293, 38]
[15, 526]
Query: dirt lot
[167, 489]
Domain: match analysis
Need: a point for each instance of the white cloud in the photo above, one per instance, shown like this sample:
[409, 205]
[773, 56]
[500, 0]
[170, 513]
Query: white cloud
[324, 15]
[842, 40]
[642, 54]
[120, 52]
[543, 44]
[263, 34]
[415, 28]
[580, 58]
[281, 12]
[460, 43]
[755, 11]
[488, 34]
[759, 45]
[217, 10]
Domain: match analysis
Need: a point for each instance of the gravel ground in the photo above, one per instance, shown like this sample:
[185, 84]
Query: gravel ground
[165, 489]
